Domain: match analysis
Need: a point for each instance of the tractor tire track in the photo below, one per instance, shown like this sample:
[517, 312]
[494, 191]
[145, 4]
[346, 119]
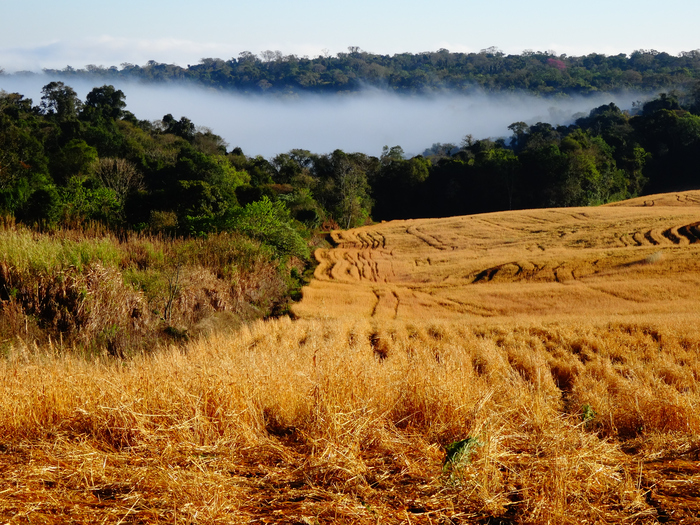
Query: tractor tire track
[352, 270]
[672, 235]
[505, 271]
[366, 266]
[324, 270]
[378, 240]
[387, 303]
[427, 239]
[624, 240]
[691, 232]
[464, 307]
[398, 302]
[677, 235]
[355, 257]
[526, 271]
[640, 239]
[376, 304]
[651, 239]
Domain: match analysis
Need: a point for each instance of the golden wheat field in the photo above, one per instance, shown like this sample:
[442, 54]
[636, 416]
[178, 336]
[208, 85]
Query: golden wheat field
[608, 261]
[537, 366]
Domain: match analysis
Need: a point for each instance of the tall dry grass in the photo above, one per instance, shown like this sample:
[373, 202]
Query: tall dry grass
[332, 422]
[564, 352]
[97, 290]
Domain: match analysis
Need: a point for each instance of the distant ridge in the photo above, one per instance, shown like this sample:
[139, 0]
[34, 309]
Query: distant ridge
[491, 70]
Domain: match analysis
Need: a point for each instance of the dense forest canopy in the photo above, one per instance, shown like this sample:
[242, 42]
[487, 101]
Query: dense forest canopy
[489, 70]
[68, 161]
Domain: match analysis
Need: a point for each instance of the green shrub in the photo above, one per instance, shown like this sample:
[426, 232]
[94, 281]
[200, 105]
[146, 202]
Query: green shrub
[270, 223]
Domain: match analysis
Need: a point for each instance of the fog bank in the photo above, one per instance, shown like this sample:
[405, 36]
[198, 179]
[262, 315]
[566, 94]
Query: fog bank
[363, 122]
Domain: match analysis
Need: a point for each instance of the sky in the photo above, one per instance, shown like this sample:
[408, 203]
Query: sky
[38, 34]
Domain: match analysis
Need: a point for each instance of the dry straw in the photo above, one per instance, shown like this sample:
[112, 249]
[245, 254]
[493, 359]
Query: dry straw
[305, 421]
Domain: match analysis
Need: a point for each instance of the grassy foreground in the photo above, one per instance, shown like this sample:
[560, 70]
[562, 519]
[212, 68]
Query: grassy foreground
[564, 392]
[337, 422]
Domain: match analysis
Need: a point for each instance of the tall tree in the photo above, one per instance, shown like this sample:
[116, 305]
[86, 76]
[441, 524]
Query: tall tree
[105, 102]
[60, 101]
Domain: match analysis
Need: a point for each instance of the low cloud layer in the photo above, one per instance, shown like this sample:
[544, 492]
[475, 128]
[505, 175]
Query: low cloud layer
[362, 122]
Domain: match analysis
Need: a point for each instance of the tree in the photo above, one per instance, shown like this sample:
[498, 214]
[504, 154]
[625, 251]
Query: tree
[42, 206]
[120, 176]
[227, 179]
[270, 223]
[196, 200]
[544, 175]
[260, 171]
[206, 141]
[672, 137]
[75, 158]
[391, 154]
[665, 101]
[21, 151]
[695, 100]
[105, 102]
[60, 101]
[83, 199]
[352, 203]
[503, 168]
[396, 186]
[439, 150]
[183, 128]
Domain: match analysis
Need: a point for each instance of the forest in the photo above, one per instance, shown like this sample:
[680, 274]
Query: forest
[490, 70]
[66, 161]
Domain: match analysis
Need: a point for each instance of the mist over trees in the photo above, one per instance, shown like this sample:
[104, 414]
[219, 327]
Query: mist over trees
[67, 161]
[539, 72]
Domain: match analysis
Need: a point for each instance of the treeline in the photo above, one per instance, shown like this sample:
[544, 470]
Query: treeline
[607, 156]
[70, 162]
[67, 161]
[490, 70]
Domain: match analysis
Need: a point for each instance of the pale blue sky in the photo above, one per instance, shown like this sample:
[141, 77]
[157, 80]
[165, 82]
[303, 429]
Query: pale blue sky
[43, 33]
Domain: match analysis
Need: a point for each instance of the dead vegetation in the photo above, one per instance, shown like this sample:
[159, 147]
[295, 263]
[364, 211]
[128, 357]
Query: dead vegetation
[304, 422]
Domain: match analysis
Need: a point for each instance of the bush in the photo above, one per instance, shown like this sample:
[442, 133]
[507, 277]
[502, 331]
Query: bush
[270, 223]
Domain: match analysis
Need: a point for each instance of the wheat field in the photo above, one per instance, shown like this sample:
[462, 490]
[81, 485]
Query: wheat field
[606, 261]
[559, 348]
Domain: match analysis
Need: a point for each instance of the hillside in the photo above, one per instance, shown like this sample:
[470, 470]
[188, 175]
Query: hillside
[632, 258]
[538, 366]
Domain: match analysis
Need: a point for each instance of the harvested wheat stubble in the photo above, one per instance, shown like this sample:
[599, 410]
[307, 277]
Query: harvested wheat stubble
[305, 421]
